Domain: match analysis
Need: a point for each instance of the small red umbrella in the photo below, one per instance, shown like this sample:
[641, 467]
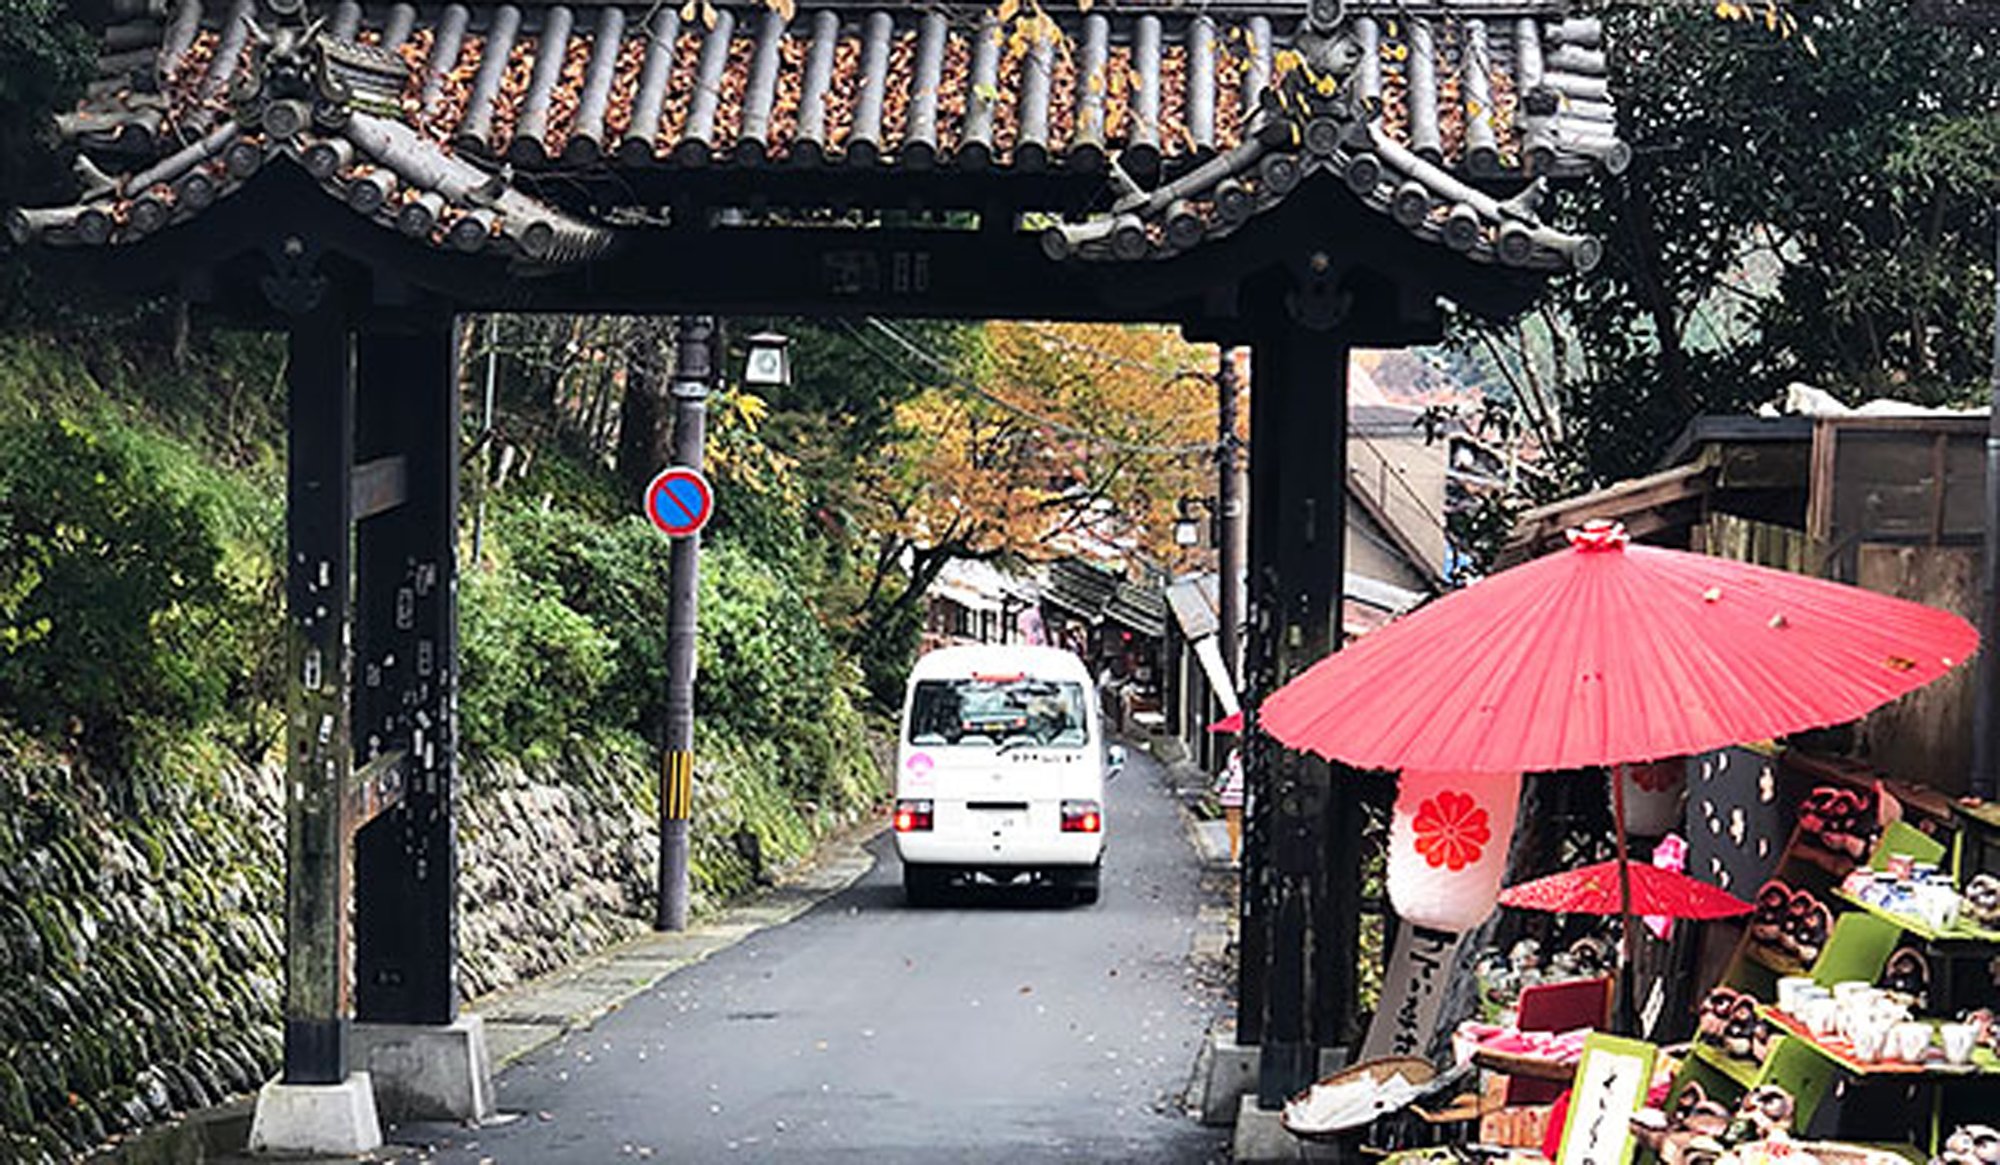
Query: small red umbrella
[1230, 723]
[1594, 890]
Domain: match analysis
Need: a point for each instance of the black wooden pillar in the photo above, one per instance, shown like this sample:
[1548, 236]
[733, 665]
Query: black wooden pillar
[319, 409]
[1301, 875]
[406, 658]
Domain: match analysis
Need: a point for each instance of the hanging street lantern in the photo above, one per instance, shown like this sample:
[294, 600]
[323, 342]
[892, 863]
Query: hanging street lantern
[769, 364]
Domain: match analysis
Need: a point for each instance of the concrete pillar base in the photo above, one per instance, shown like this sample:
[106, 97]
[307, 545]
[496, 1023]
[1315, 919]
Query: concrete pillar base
[1228, 1074]
[428, 1071]
[1261, 1137]
[316, 1120]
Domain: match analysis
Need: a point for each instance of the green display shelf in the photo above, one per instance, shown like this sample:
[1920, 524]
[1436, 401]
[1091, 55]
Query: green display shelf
[1956, 934]
[1900, 838]
[1984, 1068]
[1743, 1072]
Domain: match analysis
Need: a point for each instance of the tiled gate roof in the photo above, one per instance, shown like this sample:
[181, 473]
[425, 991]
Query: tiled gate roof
[454, 122]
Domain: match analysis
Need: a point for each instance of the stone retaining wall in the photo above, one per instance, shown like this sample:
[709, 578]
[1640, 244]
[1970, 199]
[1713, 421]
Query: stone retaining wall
[140, 969]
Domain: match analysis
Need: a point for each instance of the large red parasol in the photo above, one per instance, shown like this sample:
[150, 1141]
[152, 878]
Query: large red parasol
[1594, 890]
[1608, 653]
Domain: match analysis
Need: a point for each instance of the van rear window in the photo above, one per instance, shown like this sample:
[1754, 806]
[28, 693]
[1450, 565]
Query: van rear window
[994, 710]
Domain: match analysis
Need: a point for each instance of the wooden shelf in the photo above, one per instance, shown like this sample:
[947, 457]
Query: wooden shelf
[1984, 812]
[1771, 960]
[1825, 860]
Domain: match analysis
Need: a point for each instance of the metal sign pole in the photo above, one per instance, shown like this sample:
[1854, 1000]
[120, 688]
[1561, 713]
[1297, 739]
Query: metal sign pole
[692, 372]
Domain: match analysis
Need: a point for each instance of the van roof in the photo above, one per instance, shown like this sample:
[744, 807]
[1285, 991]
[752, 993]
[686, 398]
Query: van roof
[1000, 659]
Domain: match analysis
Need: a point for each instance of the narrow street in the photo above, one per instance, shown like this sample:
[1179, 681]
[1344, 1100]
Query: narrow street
[1001, 1027]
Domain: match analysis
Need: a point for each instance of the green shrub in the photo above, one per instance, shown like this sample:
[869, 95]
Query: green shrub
[116, 609]
[765, 665]
[614, 573]
[534, 671]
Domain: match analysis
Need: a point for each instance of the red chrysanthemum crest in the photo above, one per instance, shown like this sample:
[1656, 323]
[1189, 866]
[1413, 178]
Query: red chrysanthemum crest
[1451, 830]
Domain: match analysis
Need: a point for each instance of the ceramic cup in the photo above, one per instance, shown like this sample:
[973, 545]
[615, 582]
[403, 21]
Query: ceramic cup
[1852, 990]
[1822, 1016]
[1791, 993]
[1911, 1041]
[1958, 1040]
[1869, 1038]
[1855, 1007]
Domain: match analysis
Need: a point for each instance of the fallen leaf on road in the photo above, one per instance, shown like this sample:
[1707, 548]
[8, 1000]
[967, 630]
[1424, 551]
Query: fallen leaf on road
[1027, 990]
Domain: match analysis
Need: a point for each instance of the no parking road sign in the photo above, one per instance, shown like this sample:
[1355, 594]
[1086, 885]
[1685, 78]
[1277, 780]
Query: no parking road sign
[679, 501]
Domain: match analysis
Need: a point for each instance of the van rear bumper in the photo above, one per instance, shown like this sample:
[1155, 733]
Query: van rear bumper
[1068, 849]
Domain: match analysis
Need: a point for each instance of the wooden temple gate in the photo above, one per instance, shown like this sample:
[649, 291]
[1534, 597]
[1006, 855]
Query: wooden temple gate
[1301, 177]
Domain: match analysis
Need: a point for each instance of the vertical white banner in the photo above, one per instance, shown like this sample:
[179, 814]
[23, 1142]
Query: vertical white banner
[1209, 651]
[1412, 992]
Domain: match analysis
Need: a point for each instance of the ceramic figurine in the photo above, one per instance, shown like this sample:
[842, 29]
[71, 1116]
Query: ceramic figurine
[1765, 1112]
[1982, 902]
[1970, 1145]
[1908, 978]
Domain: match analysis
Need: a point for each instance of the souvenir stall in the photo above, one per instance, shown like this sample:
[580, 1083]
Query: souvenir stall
[1852, 1023]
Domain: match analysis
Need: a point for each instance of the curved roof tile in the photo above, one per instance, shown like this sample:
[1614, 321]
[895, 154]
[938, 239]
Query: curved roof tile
[413, 114]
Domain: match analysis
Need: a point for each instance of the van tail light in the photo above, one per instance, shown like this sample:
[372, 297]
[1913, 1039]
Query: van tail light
[1082, 817]
[915, 817]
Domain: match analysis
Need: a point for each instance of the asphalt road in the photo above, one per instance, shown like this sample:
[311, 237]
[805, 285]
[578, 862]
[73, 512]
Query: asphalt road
[1002, 1027]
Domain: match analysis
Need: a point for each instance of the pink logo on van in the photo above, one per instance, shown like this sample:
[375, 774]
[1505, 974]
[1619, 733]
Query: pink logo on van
[919, 762]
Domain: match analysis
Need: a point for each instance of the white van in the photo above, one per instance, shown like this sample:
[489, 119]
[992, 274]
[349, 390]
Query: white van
[1000, 770]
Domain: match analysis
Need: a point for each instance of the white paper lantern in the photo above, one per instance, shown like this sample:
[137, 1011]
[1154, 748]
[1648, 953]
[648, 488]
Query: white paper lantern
[1448, 846]
[1653, 794]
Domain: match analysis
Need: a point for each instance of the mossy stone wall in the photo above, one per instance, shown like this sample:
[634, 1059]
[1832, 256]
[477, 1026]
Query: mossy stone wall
[140, 972]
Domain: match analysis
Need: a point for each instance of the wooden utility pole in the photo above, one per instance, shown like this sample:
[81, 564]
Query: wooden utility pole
[693, 370]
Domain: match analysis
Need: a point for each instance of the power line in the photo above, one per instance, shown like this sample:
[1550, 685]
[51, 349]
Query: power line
[953, 380]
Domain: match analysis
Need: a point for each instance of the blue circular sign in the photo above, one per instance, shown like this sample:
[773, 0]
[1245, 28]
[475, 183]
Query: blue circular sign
[679, 501]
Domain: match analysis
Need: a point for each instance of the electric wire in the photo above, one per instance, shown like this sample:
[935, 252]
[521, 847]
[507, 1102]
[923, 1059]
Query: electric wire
[952, 379]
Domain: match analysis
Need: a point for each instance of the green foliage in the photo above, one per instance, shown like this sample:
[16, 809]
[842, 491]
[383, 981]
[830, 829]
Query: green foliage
[614, 575]
[533, 669]
[766, 667]
[45, 58]
[886, 652]
[569, 640]
[119, 605]
[1789, 215]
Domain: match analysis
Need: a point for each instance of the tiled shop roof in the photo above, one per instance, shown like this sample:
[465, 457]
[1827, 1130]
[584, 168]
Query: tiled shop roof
[439, 120]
